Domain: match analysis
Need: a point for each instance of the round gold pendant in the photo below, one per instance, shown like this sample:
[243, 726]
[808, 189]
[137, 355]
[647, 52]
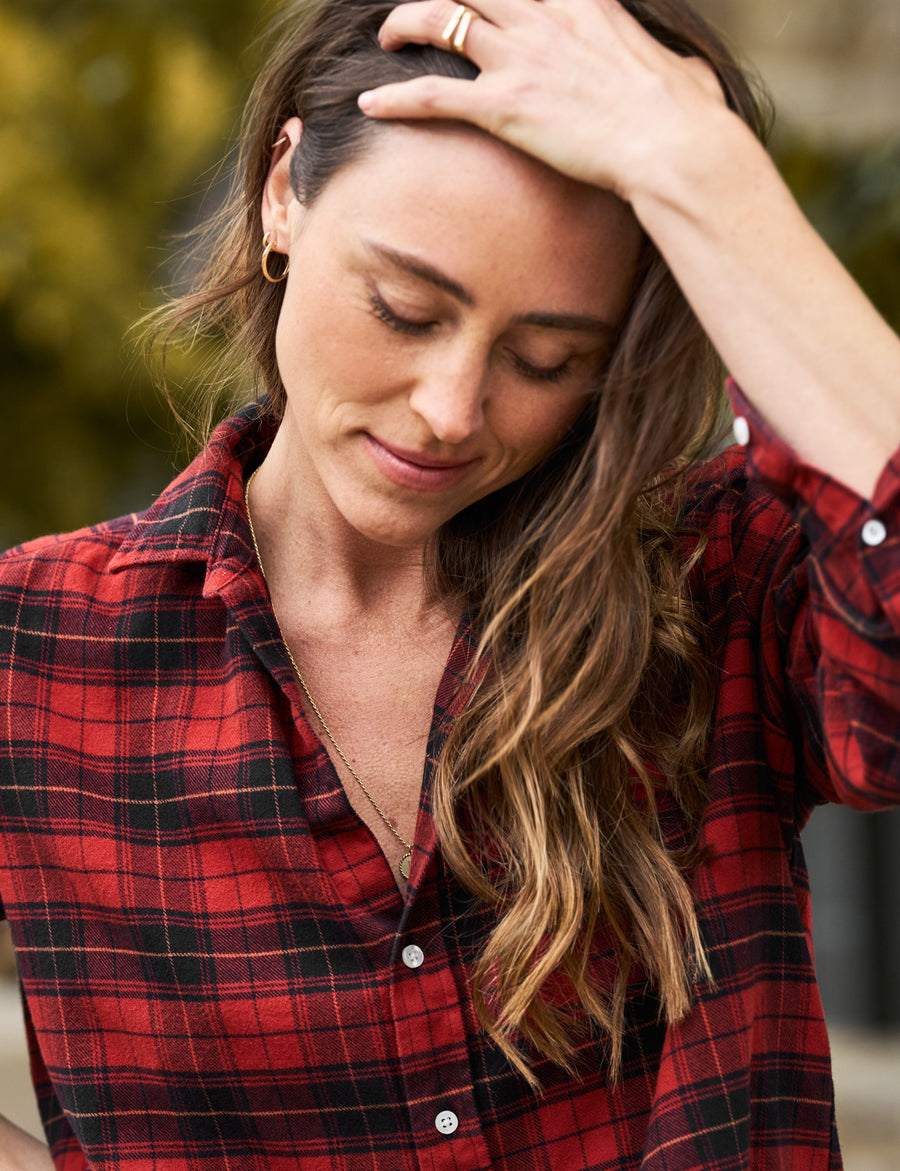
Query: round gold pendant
[404, 865]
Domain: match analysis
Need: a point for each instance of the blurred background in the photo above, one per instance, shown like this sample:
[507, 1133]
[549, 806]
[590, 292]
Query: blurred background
[113, 117]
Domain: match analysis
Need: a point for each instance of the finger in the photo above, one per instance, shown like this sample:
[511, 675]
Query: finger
[427, 97]
[426, 23]
[431, 17]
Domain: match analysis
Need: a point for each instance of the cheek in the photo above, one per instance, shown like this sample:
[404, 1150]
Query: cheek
[323, 342]
[537, 424]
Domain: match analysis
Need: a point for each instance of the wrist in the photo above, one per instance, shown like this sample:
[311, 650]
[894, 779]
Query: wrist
[701, 170]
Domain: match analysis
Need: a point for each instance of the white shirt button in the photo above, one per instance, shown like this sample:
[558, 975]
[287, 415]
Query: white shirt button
[873, 532]
[413, 956]
[446, 1122]
[741, 431]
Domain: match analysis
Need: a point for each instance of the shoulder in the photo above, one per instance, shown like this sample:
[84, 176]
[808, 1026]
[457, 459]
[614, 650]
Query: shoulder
[722, 493]
[753, 541]
[63, 591]
[66, 561]
[166, 548]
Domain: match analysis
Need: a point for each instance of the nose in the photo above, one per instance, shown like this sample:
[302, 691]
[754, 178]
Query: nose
[450, 395]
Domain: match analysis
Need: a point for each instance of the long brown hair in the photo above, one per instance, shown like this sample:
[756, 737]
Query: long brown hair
[598, 693]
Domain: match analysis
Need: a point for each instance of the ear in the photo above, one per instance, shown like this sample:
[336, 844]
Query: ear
[278, 195]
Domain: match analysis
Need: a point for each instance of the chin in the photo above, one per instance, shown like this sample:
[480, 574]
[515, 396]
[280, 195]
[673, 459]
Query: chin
[395, 533]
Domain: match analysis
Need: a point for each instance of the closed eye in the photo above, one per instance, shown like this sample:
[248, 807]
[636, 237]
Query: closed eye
[385, 313]
[539, 373]
[405, 325]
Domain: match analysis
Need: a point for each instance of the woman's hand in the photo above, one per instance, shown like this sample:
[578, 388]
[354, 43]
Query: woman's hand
[581, 85]
[578, 84]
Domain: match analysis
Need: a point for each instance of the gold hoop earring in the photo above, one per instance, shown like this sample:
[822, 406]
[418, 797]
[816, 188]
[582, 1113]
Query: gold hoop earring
[267, 248]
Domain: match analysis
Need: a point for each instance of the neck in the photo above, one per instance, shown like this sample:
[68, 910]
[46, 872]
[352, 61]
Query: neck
[319, 569]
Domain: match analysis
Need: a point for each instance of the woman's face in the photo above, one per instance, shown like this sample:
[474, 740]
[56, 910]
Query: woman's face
[448, 305]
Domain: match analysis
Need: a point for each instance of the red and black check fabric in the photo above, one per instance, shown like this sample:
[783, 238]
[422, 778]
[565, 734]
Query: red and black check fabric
[218, 970]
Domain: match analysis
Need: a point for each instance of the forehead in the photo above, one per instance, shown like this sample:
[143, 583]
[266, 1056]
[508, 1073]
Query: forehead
[484, 213]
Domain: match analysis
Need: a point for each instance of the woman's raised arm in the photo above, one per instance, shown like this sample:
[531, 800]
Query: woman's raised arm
[582, 86]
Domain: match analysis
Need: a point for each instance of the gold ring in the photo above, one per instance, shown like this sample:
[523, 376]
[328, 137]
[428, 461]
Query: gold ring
[454, 35]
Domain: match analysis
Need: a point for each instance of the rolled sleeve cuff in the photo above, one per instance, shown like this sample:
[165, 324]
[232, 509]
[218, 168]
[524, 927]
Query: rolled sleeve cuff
[856, 542]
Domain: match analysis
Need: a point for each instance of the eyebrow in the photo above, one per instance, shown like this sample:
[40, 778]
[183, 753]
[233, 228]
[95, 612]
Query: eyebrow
[571, 322]
[422, 270]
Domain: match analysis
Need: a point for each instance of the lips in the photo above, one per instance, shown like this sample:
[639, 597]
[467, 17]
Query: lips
[416, 469]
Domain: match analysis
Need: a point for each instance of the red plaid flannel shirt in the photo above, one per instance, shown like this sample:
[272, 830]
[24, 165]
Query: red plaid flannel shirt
[218, 970]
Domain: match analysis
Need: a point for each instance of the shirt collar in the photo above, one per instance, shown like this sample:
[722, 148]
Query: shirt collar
[200, 517]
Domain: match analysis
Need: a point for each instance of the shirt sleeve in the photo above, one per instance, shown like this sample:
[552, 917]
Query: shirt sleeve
[843, 659]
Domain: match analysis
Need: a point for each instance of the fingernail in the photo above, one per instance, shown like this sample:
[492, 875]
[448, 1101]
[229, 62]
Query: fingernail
[365, 100]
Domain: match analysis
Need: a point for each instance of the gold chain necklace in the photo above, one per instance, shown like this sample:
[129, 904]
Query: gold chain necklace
[403, 865]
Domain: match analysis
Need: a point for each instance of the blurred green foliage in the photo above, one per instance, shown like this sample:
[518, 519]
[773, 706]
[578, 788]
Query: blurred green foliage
[853, 198]
[110, 112]
[113, 115]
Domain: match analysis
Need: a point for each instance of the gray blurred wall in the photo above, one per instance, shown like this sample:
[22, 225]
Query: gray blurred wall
[832, 65]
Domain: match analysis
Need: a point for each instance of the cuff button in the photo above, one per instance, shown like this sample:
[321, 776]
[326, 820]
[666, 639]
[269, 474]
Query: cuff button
[873, 532]
[741, 431]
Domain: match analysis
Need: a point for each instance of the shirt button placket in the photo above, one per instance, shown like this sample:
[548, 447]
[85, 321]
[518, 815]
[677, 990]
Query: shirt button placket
[413, 956]
[446, 1122]
[428, 1018]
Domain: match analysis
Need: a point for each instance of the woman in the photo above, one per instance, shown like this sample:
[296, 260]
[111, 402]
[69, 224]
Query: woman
[248, 930]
